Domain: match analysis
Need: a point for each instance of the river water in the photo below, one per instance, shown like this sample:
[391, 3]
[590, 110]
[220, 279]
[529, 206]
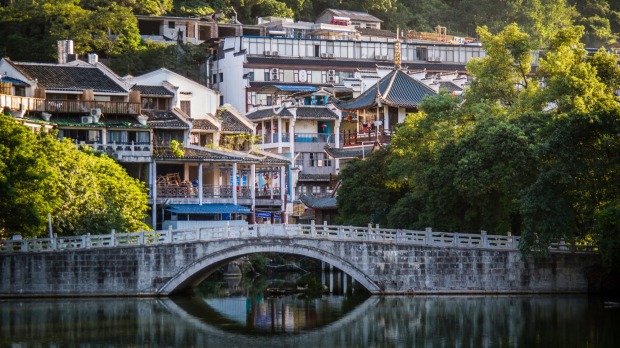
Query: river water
[330, 321]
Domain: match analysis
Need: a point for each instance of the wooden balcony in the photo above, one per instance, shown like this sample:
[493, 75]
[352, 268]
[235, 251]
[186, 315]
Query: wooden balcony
[68, 106]
[81, 107]
[14, 102]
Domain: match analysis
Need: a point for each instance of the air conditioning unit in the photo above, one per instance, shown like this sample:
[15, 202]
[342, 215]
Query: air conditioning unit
[275, 53]
[266, 53]
[331, 78]
[331, 72]
[95, 112]
[275, 74]
[87, 119]
[330, 55]
[323, 55]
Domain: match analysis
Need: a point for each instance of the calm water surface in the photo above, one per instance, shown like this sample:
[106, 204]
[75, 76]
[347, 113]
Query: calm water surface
[331, 321]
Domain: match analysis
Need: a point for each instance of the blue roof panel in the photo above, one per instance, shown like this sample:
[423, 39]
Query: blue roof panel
[288, 88]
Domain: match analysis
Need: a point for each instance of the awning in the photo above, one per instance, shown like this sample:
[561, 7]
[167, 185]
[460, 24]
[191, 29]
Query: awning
[13, 81]
[208, 209]
[267, 215]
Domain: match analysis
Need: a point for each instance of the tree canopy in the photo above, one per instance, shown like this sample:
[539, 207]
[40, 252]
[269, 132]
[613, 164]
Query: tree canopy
[534, 154]
[84, 192]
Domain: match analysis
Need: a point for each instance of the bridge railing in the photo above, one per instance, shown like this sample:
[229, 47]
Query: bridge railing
[427, 237]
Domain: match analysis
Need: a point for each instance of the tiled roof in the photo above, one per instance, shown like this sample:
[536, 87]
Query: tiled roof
[152, 90]
[202, 154]
[203, 124]
[314, 177]
[307, 112]
[164, 119]
[355, 152]
[396, 89]
[354, 15]
[290, 62]
[110, 121]
[62, 77]
[230, 123]
[268, 113]
[318, 202]
[449, 86]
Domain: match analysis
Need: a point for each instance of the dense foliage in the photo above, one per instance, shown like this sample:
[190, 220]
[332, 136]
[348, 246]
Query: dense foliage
[109, 27]
[540, 160]
[83, 191]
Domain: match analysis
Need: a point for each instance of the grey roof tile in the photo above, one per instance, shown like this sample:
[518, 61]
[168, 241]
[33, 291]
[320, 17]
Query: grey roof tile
[75, 78]
[159, 119]
[323, 113]
[395, 89]
[152, 90]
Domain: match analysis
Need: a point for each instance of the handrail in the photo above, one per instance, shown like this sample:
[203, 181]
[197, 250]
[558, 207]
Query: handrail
[343, 233]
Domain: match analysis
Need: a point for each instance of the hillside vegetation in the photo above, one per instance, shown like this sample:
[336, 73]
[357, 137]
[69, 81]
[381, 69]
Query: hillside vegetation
[29, 29]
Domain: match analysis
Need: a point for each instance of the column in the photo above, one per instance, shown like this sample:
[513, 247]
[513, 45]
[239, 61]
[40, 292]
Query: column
[234, 183]
[279, 134]
[200, 183]
[252, 184]
[283, 195]
[154, 194]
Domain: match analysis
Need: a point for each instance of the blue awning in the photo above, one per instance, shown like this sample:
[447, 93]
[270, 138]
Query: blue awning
[267, 215]
[13, 81]
[208, 209]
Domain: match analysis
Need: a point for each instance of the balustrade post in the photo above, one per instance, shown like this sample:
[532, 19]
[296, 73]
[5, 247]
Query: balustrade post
[340, 232]
[511, 244]
[369, 231]
[55, 241]
[113, 237]
[228, 229]
[86, 241]
[141, 238]
[485, 241]
[24, 245]
[429, 235]
[456, 238]
[312, 229]
[169, 234]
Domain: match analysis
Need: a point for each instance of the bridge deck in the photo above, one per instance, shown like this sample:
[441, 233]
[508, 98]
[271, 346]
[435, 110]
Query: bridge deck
[348, 233]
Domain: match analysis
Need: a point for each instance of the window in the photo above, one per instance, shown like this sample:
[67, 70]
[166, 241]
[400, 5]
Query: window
[221, 100]
[186, 107]
[299, 161]
[316, 189]
[171, 25]
[214, 78]
[221, 77]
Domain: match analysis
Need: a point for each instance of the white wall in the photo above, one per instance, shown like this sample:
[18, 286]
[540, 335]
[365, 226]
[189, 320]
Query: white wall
[203, 99]
[233, 87]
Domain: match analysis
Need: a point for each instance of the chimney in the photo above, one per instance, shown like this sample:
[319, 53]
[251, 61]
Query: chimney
[65, 48]
[93, 58]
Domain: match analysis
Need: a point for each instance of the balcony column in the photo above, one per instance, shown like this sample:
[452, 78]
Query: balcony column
[279, 134]
[252, 184]
[234, 183]
[153, 180]
[291, 137]
[200, 183]
[262, 124]
[282, 194]
[386, 117]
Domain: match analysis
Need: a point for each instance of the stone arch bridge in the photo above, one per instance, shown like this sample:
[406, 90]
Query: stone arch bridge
[384, 261]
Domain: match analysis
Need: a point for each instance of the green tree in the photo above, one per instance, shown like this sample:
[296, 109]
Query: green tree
[24, 198]
[95, 194]
[366, 193]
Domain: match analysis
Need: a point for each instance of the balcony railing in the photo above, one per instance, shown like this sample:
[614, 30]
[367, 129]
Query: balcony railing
[126, 148]
[349, 138]
[188, 190]
[79, 106]
[271, 138]
[21, 103]
[314, 137]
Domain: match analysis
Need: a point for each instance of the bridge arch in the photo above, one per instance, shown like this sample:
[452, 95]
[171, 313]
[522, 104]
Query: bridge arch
[196, 272]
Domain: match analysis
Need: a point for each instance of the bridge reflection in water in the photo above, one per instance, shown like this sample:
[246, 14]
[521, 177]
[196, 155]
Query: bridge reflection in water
[507, 321]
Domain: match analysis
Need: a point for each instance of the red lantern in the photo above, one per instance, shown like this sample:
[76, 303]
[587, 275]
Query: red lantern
[349, 118]
[323, 126]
